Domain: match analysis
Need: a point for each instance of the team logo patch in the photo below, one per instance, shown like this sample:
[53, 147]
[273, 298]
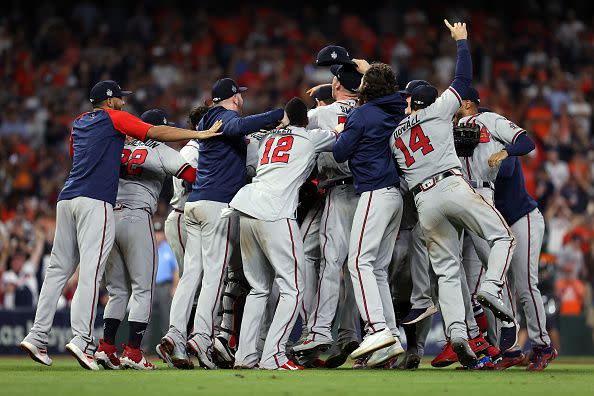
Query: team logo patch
[109, 93]
[234, 89]
[513, 126]
[164, 121]
[485, 136]
[334, 55]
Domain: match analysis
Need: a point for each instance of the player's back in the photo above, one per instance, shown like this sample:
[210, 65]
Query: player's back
[143, 169]
[287, 157]
[423, 142]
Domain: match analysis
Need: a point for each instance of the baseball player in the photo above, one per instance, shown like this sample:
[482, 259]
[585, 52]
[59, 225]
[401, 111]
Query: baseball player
[424, 148]
[132, 264]
[364, 143]
[336, 219]
[85, 226]
[211, 239]
[527, 224]
[271, 247]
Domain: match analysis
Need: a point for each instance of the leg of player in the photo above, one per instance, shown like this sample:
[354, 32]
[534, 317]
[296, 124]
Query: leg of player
[420, 267]
[63, 262]
[260, 277]
[176, 235]
[218, 240]
[117, 282]
[95, 229]
[376, 213]
[286, 258]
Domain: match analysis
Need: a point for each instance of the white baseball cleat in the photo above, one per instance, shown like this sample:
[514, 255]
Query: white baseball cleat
[373, 342]
[223, 350]
[86, 360]
[382, 356]
[38, 354]
[204, 357]
[311, 345]
[164, 356]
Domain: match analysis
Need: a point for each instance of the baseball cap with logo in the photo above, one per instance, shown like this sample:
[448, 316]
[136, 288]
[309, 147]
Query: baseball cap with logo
[333, 55]
[224, 89]
[348, 76]
[156, 117]
[407, 91]
[106, 89]
[423, 96]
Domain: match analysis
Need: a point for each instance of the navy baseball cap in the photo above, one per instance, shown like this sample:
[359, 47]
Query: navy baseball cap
[473, 95]
[348, 76]
[423, 95]
[224, 89]
[412, 85]
[106, 89]
[324, 92]
[333, 55]
[155, 117]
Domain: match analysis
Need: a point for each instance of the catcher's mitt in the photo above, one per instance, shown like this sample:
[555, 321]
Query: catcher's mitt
[466, 138]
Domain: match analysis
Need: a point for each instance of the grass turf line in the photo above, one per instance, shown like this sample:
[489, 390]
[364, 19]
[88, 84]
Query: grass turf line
[21, 376]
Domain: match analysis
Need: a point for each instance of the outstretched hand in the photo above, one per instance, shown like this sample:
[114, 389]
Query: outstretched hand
[211, 132]
[458, 30]
[362, 65]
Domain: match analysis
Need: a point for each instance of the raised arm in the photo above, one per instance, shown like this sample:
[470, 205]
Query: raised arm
[463, 73]
[164, 133]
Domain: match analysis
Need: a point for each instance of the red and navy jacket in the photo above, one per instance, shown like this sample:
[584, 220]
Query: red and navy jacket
[96, 144]
[511, 198]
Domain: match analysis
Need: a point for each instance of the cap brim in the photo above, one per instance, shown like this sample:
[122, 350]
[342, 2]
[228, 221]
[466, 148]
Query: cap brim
[242, 89]
[405, 92]
[127, 93]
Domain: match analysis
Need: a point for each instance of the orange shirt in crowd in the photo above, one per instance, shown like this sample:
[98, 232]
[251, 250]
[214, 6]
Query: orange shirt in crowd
[540, 118]
[571, 293]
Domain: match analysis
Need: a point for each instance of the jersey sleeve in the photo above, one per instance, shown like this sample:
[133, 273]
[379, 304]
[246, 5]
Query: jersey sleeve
[323, 140]
[128, 124]
[446, 105]
[190, 153]
[172, 161]
[505, 130]
[313, 118]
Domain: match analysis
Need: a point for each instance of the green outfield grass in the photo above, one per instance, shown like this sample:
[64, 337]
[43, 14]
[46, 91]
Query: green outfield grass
[20, 376]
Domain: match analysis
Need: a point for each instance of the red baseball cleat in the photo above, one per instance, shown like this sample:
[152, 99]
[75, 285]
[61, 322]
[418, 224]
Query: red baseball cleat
[107, 356]
[478, 344]
[510, 359]
[541, 358]
[446, 357]
[134, 358]
[290, 366]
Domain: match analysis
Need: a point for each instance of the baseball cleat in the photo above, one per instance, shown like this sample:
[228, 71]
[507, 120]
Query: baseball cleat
[86, 360]
[309, 345]
[38, 354]
[465, 355]
[164, 356]
[223, 353]
[360, 363]
[381, 356]
[541, 358]
[134, 358]
[483, 363]
[446, 357]
[510, 359]
[410, 362]
[499, 309]
[416, 315]
[290, 366]
[373, 342]
[341, 357]
[509, 337]
[107, 356]
[169, 353]
[204, 357]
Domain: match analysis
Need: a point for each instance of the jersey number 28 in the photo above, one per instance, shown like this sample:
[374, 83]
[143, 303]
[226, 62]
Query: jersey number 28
[281, 151]
[131, 161]
[418, 141]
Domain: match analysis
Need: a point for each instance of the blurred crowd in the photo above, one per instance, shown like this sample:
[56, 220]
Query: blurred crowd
[536, 68]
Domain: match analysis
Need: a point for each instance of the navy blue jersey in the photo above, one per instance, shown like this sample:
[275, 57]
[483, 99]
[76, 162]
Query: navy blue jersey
[221, 160]
[96, 144]
[364, 142]
[511, 197]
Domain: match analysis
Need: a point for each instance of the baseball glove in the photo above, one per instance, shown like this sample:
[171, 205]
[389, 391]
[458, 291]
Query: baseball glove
[466, 138]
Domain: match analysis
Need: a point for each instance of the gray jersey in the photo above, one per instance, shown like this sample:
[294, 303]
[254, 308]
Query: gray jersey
[496, 133]
[253, 145]
[287, 157]
[327, 117]
[143, 170]
[423, 142]
[180, 194]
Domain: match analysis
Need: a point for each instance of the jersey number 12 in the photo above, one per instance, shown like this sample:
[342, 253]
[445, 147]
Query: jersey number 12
[418, 141]
[281, 151]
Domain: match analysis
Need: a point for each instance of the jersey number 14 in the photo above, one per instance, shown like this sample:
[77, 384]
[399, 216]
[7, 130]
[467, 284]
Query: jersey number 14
[280, 152]
[418, 141]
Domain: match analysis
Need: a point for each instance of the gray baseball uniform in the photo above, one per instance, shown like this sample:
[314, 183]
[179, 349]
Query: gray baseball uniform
[271, 245]
[335, 226]
[132, 264]
[423, 145]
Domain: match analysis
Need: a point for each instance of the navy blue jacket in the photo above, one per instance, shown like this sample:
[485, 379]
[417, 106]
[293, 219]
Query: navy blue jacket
[365, 142]
[221, 162]
[511, 197]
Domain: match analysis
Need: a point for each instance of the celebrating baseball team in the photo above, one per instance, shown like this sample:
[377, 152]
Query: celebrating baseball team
[420, 207]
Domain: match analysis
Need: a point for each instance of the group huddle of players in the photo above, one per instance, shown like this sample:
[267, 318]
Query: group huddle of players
[421, 205]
